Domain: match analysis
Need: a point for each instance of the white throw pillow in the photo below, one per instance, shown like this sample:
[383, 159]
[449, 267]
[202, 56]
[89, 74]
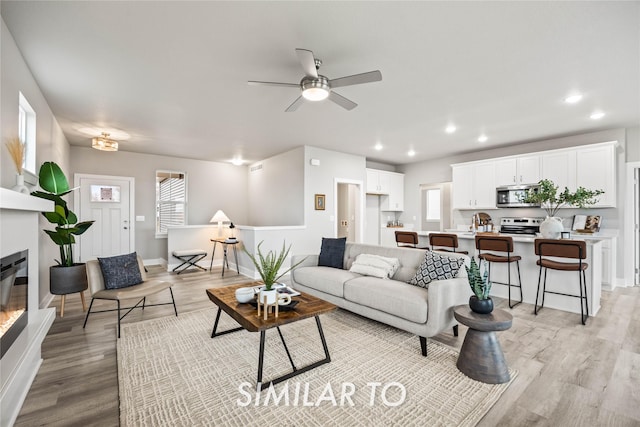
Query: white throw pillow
[375, 265]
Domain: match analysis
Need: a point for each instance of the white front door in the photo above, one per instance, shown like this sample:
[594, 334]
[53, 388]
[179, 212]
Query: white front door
[108, 200]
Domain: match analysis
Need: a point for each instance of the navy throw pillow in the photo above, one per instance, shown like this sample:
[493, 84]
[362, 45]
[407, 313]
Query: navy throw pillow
[332, 252]
[120, 271]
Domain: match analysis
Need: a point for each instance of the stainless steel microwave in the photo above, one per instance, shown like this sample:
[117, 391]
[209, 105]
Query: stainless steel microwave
[513, 196]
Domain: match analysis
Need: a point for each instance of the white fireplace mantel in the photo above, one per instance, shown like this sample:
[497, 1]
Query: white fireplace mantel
[19, 230]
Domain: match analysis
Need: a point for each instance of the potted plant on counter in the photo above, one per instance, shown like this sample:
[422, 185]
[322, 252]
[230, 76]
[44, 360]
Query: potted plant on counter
[268, 267]
[480, 302]
[551, 201]
[67, 277]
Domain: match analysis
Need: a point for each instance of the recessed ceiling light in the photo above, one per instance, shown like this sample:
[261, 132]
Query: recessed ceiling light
[482, 138]
[597, 115]
[378, 146]
[572, 99]
[237, 161]
[450, 129]
[411, 153]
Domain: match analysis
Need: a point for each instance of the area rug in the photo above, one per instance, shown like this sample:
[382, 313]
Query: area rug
[171, 373]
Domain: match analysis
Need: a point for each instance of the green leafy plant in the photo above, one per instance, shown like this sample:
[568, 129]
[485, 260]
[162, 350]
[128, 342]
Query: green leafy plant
[551, 201]
[268, 265]
[478, 282]
[55, 185]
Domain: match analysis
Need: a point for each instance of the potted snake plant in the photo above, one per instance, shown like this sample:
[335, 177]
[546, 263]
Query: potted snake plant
[480, 302]
[66, 277]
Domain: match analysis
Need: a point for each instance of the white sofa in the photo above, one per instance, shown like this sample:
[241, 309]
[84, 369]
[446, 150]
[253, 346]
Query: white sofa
[424, 312]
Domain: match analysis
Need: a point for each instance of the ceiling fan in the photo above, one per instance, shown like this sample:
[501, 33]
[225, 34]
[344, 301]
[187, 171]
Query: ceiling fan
[316, 87]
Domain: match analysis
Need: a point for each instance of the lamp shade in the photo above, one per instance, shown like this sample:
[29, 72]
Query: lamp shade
[219, 217]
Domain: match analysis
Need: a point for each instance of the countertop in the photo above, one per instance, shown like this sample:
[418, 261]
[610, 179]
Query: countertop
[590, 238]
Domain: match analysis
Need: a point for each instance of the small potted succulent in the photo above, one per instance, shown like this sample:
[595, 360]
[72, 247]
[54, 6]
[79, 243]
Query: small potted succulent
[480, 302]
[268, 267]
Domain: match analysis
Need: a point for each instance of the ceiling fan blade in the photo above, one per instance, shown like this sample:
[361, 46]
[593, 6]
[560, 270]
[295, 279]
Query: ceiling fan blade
[254, 83]
[356, 79]
[295, 105]
[308, 62]
[345, 103]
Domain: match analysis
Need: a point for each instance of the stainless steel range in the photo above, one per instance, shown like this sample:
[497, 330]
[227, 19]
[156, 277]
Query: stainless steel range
[529, 226]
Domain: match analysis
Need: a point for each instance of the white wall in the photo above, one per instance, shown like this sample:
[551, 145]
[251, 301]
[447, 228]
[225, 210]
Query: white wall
[51, 144]
[276, 190]
[210, 186]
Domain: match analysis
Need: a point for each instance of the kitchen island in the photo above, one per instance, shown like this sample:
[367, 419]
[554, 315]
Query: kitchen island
[557, 281]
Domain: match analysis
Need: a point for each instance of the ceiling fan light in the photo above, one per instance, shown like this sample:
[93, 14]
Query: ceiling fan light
[315, 89]
[103, 143]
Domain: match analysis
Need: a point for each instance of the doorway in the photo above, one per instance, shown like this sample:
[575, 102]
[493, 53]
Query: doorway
[349, 210]
[632, 223]
[109, 200]
[435, 206]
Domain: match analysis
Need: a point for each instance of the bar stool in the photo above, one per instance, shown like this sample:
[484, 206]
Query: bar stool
[575, 249]
[500, 244]
[407, 239]
[444, 240]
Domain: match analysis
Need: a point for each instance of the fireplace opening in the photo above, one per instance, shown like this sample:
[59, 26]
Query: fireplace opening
[14, 281]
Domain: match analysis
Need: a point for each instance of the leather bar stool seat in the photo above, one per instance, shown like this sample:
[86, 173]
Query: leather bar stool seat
[445, 242]
[565, 248]
[504, 246]
[407, 239]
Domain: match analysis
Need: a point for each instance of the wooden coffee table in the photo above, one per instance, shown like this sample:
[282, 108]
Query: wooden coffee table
[247, 316]
[481, 356]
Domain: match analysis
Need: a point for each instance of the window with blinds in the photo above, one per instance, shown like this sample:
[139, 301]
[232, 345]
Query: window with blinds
[171, 200]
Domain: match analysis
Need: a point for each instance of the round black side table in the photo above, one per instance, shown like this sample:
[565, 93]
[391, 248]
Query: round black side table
[481, 356]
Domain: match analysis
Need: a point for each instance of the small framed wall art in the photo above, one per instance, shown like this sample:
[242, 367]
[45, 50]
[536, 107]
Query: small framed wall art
[319, 202]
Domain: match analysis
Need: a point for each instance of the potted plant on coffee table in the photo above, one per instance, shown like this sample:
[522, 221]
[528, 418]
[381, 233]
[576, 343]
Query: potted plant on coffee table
[67, 277]
[268, 267]
[480, 301]
[551, 201]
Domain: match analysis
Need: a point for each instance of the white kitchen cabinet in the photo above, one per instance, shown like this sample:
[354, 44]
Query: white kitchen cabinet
[474, 186]
[390, 185]
[394, 200]
[517, 170]
[595, 170]
[560, 167]
[377, 181]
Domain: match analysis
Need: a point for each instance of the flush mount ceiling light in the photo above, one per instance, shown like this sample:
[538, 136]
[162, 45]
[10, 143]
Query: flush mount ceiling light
[450, 129]
[482, 138]
[573, 99]
[411, 153]
[103, 143]
[378, 146]
[596, 115]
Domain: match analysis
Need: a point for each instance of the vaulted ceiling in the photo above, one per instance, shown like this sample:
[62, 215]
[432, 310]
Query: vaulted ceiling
[173, 75]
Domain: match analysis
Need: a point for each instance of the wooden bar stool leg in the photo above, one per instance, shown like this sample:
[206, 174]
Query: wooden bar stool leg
[84, 304]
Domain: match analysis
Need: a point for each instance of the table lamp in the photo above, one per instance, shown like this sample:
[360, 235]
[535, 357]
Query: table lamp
[219, 217]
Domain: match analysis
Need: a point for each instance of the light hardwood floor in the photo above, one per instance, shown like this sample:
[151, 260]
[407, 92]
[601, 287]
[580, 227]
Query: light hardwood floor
[569, 374]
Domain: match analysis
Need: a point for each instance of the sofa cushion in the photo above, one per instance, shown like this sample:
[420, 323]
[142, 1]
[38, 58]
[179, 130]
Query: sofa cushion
[324, 279]
[375, 265]
[436, 267]
[332, 252]
[390, 296]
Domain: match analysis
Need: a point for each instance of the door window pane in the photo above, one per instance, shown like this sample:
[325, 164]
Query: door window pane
[433, 204]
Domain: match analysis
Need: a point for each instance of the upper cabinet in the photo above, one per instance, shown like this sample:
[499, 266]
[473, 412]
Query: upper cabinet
[474, 186]
[589, 166]
[517, 170]
[390, 185]
[595, 170]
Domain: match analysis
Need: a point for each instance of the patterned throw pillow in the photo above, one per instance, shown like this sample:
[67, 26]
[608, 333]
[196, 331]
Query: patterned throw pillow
[436, 267]
[120, 271]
